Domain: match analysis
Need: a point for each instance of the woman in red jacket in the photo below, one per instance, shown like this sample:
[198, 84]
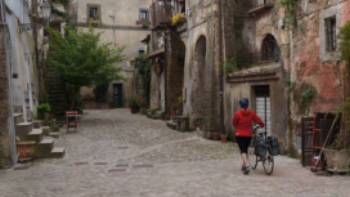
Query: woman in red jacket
[243, 123]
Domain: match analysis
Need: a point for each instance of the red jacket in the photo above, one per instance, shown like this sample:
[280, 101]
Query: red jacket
[243, 122]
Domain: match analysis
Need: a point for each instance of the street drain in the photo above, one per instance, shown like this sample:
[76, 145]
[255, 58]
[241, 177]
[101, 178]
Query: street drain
[143, 166]
[123, 147]
[81, 163]
[100, 163]
[117, 170]
[121, 165]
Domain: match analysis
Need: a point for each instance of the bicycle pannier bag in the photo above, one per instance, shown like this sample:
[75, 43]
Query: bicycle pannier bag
[260, 147]
[275, 147]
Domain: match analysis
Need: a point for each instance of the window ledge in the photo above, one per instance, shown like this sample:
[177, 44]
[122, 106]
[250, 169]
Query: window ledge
[260, 9]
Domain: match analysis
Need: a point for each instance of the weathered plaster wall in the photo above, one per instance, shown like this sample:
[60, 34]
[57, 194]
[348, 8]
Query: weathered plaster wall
[312, 64]
[118, 26]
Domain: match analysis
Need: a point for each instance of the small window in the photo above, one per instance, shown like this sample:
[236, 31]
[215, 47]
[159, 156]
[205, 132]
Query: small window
[331, 33]
[143, 14]
[93, 12]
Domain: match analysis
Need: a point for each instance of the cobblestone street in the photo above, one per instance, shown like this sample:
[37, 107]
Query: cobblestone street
[116, 154]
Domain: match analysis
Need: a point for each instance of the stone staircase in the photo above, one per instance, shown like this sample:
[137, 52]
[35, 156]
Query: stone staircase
[179, 123]
[33, 140]
[56, 93]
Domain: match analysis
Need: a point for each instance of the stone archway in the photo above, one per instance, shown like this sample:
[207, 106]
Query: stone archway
[270, 50]
[201, 98]
[176, 76]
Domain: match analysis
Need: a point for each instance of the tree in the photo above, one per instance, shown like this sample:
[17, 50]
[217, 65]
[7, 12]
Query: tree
[82, 60]
[344, 137]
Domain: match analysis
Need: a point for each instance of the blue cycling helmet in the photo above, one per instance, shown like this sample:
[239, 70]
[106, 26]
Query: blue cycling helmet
[244, 103]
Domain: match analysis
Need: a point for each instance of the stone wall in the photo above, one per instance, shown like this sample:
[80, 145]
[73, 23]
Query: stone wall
[202, 80]
[5, 150]
[243, 46]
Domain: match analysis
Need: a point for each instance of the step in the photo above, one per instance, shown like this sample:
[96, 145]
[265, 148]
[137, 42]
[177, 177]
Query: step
[46, 130]
[57, 152]
[35, 135]
[37, 123]
[44, 148]
[22, 129]
[54, 134]
[171, 124]
[18, 117]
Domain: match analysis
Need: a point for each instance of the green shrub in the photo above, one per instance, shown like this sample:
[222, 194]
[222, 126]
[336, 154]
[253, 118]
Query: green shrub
[134, 103]
[44, 107]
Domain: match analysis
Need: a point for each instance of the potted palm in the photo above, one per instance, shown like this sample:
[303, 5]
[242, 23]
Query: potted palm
[134, 105]
[44, 110]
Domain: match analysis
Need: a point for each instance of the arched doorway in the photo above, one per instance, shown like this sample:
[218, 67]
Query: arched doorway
[176, 77]
[201, 100]
[270, 50]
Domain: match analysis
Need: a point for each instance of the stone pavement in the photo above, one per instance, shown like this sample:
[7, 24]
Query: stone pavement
[116, 154]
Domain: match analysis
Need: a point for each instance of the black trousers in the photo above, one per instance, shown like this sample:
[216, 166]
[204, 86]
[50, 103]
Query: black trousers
[243, 143]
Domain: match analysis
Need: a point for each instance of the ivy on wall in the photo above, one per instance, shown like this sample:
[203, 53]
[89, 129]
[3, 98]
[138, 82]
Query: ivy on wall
[291, 11]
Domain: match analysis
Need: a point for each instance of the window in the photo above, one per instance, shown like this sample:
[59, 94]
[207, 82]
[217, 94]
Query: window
[143, 14]
[94, 13]
[331, 33]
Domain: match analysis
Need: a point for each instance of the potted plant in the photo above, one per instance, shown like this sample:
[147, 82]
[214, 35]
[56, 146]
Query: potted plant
[44, 110]
[223, 137]
[134, 105]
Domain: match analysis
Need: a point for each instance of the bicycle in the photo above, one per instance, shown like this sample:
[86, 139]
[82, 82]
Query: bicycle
[264, 151]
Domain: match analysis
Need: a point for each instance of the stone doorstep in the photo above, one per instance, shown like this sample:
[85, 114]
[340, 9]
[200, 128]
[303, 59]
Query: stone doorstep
[57, 152]
[22, 129]
[35, 134]
[18, 117]
[44, 147]
[37, 124]
[54, 134]
[171, 124]
[46, 130]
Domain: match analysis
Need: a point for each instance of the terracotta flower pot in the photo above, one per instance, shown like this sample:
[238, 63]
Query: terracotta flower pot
[223, 138]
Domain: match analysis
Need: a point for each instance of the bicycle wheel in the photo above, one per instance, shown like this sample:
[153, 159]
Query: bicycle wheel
[268, 164]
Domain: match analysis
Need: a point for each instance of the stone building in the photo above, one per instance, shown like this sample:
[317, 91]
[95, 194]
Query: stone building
[22, 45]
[315, 59]
[186, 54]
[275, 55]
[19, 85]
[261, 63]
[123, 24]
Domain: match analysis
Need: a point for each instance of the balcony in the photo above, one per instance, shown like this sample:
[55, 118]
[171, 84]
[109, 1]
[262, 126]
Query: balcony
[261, 6]
[160, 14]
[143, 22]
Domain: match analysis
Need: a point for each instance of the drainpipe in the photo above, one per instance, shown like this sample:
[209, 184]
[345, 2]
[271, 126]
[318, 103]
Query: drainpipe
[221, 69]
[10, 119]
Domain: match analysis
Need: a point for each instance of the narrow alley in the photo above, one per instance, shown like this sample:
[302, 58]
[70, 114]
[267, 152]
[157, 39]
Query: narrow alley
[116, 154]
